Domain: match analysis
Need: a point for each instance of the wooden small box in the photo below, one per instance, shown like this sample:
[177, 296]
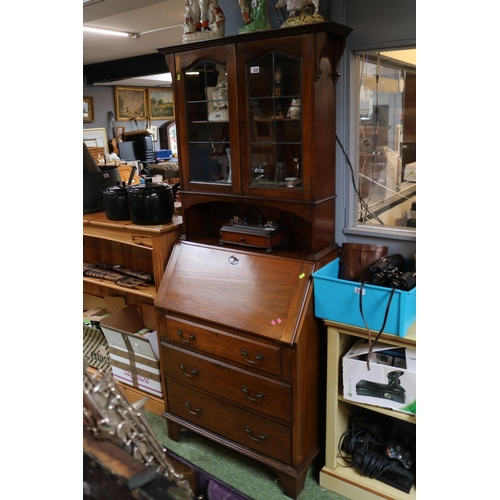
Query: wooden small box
[252, 236]
[240, 231]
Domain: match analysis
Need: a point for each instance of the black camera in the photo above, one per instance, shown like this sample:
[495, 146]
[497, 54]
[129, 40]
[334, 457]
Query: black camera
[387, 272]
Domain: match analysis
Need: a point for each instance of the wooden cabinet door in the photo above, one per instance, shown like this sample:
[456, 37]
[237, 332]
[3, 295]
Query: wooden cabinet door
[271, 137]
[205, 86]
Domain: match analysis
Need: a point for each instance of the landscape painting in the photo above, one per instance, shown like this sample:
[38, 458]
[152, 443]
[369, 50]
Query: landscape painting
[130, 103]
[161, 104]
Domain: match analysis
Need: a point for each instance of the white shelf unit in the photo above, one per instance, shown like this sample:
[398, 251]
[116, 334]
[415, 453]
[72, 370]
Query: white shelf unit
[337, 475]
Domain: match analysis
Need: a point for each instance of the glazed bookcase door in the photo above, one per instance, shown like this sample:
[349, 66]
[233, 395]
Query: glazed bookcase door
[272, 153]
[274, 81]
[208, 122]
[204, 83]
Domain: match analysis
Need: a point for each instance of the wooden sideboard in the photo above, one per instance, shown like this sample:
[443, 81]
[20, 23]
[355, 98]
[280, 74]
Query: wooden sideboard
[141, 248]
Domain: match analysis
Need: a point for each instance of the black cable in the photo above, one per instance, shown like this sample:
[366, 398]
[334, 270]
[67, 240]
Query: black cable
[363, 203]
[374, 464]
[370, 350]
[372, 344]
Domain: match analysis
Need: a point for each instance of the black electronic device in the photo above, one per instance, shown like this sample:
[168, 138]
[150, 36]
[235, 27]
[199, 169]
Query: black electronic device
[128, 152]
[396, 451]
[376, 465]
[377, 424]
[384, 459]
[138, 147]
[392, 390]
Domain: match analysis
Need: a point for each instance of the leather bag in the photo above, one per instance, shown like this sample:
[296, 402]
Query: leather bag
[356, 259]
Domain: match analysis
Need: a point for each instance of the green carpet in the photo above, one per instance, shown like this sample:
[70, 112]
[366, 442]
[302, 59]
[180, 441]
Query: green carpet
[246, 475]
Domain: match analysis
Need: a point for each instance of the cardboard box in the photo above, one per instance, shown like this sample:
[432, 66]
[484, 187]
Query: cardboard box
[95, 345]
[95, 348]
[91, 303]
[338, 300]
[134, 358]
[387, 385]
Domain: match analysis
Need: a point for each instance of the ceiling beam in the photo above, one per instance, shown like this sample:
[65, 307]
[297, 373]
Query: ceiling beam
[121, 69]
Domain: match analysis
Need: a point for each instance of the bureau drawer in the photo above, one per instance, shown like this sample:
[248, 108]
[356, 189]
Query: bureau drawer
[258, 433]
[230, 234]
[225, 345]
[239, 386]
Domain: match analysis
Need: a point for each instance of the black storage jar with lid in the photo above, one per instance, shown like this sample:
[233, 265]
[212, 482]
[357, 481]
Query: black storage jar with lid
[150, 203]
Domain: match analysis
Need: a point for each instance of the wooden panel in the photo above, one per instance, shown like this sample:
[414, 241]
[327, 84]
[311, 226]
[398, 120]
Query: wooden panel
[112, 252]
[259, 294]
[234, 348]
[250, 240]
[257, 433]
[243, 388]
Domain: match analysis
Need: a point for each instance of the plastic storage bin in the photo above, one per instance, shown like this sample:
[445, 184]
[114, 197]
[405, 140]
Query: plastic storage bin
[338, 300]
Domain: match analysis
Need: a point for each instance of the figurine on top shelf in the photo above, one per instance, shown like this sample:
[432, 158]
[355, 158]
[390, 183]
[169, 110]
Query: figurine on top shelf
[203, 19]
[254, 14]
[217, 97]
[300, 12]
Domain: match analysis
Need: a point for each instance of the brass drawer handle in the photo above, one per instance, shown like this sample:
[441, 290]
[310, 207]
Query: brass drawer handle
[246, 391]
[188, 406]
[259, 357]
[194, 371]
[188, 340]
[262, 437]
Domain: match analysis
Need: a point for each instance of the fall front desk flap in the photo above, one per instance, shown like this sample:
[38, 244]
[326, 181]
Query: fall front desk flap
[260, 294]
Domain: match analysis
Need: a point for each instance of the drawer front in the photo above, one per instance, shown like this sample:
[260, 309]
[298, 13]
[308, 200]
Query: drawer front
[239, 386]
[258, 433]
[252, 240]
[225, 345]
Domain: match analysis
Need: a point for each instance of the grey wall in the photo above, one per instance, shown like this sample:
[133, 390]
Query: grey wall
[381, 23]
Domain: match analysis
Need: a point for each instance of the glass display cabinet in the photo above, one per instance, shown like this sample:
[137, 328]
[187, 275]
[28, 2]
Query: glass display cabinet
[255, 119]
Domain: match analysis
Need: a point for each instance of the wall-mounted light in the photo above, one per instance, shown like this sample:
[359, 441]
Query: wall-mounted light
[104, 31]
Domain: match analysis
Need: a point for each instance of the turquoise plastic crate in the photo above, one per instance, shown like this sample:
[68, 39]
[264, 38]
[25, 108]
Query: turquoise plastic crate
[338, 300]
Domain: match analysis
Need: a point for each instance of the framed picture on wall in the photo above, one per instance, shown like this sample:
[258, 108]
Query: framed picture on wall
[96, 138]
[161, 104]
[154, 129]
[88, 109]
[120, 131]
[130, 102]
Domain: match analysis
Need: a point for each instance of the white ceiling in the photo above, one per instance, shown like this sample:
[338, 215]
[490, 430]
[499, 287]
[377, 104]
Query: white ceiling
[158, 23]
